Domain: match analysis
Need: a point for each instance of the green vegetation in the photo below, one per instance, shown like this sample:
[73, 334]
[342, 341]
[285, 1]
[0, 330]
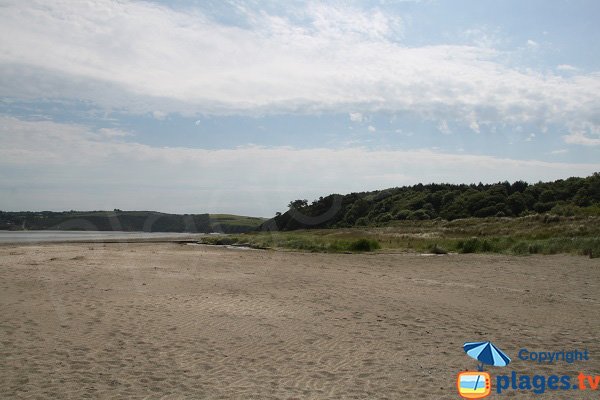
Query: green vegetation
[300, 240]
[561, 198]
[534, 234]
[435, 249]
[544, 218]
[117, 220]
[228, 223]
[364, 245]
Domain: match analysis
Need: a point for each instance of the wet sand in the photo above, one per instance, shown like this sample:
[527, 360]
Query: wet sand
[174, 321]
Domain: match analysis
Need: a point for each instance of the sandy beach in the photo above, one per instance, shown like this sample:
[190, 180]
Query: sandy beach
[175, 321]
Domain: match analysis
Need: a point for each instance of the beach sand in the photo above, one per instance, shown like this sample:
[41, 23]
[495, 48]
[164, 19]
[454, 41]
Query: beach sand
[173, 321]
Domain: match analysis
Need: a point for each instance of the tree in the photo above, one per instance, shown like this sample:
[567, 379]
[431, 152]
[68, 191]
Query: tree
[451, 202]
[518, 186]
[298, 204]
[516, 203]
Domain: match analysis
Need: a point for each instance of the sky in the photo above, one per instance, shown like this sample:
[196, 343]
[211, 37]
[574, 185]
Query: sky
[242, 106]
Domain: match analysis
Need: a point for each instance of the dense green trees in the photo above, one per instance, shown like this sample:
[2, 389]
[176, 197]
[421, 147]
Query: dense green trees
[447, 201]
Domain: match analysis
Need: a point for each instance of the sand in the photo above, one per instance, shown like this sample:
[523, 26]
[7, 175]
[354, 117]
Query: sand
[173, 321]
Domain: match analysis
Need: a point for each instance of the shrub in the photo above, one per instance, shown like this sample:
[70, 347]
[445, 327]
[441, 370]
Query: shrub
[567, 210]
[419, 215]
[362, 221]
[548, 219]
[520, 248]
[486, 212]
[588, 251]
[535, 248]
[224, 241]
[541, 207]
[590, 247]
[402, 214]
[475, 245]
[469, 245]
[385, 217]
[435, 249]
[336, 246]
[486, 246]
[364, 245]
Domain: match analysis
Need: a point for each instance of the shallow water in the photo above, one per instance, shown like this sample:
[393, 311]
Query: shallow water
[74, 236]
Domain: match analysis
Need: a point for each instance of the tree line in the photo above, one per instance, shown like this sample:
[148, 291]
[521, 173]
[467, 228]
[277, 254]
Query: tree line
[118, 220]
[567, 197]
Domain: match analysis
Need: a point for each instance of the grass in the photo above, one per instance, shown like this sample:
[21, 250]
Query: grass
[235, 219]
[304, 241]
[535, 234]
[234, 223]
[364, 245]
[435, 249]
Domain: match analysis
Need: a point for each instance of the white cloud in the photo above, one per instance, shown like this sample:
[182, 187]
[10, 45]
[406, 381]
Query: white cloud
[583, 133]
[559, 151]
[159, 115]
[483, 37]
[443, 127]
[532, 43]
[530, 137]
[473, 123]
[372, 129]
[356, 117]
[341, 22]
[113, 133]
[146, 57]
[581, 139]
[47, 165]
[567, 68]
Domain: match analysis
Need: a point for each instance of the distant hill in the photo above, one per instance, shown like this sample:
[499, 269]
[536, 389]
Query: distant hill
[117, 220]
[229, 223]
[572, 196]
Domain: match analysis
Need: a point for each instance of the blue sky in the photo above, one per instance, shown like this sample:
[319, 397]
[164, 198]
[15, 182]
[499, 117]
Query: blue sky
[242, 106]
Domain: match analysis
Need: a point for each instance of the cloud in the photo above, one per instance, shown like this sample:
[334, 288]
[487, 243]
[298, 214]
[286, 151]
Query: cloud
[532, 43]
[473, 123]
[48, 165]
[559, 151]
[483, 37]
[356, 117]
[567, 68]
[443, 127]
[159, 115]
[372, 129]
[341, 22]
[113, 133]
[146, 57]
[581, 139]
[583, 133]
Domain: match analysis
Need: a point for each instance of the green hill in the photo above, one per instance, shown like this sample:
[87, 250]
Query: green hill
[228, 223]
[117, 220]
[566, 197]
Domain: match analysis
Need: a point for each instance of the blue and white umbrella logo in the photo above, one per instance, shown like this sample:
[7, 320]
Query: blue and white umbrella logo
[486, 353]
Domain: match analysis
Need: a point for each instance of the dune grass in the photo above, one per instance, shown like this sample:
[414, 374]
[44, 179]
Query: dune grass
[537, 234]
[304, 241]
